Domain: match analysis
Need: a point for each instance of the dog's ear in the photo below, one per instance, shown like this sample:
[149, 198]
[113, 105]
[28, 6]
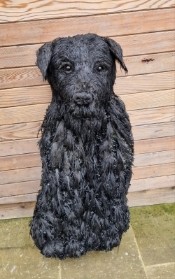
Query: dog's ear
[43, 58]
[116, 50]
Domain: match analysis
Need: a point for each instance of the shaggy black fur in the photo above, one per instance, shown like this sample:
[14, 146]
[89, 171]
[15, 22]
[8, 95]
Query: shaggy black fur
[86, 149]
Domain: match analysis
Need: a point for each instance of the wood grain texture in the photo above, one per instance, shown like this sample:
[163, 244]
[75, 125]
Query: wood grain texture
[24, 96]
[18, 176]
[154, 158]
[149, 99]
[153, 171]
[20, 188]
[19, 147]
[19, 161]
[8, 211]
[22, 10]
[152, 183]
[154, 145]
[137, 44]
[150, 197]
[104, 25]
[154, 130]
[19, 131]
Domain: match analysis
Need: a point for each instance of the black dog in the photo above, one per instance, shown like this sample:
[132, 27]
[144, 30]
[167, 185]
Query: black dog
[86, 149]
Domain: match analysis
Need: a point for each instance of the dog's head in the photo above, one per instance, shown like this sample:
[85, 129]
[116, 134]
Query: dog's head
[81, 70]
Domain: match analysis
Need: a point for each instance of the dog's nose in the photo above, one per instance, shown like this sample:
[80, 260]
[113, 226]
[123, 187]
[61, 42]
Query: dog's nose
[82, 98]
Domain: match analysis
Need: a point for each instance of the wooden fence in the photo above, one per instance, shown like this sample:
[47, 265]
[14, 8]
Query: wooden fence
[145, 29]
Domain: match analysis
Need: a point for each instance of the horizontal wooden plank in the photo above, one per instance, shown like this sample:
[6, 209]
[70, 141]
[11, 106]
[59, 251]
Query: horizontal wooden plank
[30, 146]
[149, 99]
[13, 182]
[30, 130]
[8, 211]
[18, 199]
[25, 55]
[146, 43]
[22, 114]
[19, 131]
[36, 113]
[18, 176]
[145, 83]
[153, 171]
[155, 115]
[151, 183]
[154, 131]
[24, 96]
[23, 10]
[105, 25]
[154, 158]
[139, 185]
[19, 188]
[33, 160]
[20, 161]
[152, 63]
[19, 147]
[154, 145]
[20, 77]
[150, 197]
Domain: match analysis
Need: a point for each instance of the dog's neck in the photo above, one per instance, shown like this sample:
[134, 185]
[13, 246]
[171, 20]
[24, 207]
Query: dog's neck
[86, 127]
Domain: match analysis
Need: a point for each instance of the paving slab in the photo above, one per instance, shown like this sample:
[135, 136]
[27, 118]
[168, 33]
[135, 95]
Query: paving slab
[123, 262]
[27, 263]
[164, 271]
[154, 228]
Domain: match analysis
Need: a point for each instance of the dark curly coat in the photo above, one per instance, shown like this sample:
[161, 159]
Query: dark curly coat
[86, 149]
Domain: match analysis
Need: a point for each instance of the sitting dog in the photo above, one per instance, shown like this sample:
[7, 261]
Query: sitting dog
[86, 149]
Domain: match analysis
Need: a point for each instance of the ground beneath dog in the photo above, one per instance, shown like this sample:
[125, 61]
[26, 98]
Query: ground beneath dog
[147, 251]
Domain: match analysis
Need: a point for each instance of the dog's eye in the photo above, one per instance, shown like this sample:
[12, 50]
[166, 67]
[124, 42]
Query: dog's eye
[66, 67]
[101, 68]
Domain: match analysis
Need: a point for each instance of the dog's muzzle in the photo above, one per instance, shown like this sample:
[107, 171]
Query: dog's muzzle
[82, 98]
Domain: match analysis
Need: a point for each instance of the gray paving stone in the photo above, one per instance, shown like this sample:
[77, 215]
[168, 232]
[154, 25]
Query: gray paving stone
[164, 271]
[120, 263]
[27, 263]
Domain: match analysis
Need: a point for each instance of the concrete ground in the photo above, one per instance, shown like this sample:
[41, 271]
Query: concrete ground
[147, 251]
